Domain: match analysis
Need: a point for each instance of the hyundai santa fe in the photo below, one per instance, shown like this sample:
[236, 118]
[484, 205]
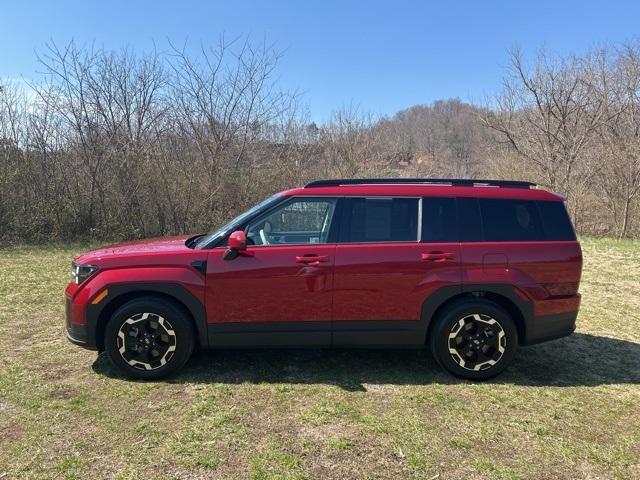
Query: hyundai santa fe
[470, 269]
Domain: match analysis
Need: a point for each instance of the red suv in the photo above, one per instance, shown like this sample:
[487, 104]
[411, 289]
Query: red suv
[471, 268]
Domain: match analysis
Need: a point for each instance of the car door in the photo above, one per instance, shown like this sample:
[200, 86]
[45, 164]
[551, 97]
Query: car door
[280, 292]
[385, 268]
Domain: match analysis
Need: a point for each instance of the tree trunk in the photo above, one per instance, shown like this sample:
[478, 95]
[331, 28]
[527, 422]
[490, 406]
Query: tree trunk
[625, 219]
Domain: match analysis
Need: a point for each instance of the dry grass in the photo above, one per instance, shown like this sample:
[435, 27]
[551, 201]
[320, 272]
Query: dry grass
[566, 409]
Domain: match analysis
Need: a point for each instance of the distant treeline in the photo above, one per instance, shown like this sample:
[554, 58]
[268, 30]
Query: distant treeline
[113, 145]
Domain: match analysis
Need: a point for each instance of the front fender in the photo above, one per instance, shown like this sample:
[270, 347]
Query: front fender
[184, 285]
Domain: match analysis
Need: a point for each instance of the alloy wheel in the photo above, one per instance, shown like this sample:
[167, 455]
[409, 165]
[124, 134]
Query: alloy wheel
[146, 341]
[477, 342]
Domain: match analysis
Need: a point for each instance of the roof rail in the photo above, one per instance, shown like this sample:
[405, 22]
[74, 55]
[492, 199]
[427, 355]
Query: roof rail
[425, 181]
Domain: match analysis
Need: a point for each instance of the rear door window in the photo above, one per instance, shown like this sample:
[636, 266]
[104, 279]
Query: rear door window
[469, 220]
[439, 220]
[380, 220]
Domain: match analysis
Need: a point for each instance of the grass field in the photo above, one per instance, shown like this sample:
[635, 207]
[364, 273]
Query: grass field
[566, 409]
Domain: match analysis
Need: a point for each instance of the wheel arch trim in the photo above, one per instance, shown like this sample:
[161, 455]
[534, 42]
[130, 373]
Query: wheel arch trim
[503, 295]
[98, 315]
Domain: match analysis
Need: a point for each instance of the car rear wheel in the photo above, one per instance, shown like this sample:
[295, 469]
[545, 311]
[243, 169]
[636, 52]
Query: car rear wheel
[474, 339]
[149, 338]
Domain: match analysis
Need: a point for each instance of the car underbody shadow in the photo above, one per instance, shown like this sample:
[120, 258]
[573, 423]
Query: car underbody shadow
[578, 360]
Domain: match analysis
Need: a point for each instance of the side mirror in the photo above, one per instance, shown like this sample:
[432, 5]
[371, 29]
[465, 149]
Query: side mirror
[238, 241]
[237, 246]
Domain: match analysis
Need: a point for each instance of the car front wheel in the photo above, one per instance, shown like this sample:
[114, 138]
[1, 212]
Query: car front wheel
[149, 338]
[474, 339]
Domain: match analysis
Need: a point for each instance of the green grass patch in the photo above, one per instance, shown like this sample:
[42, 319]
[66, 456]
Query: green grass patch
[564, 409]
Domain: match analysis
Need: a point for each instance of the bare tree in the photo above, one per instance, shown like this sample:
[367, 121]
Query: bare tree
[619, 176]
[12, 143]
[444, 138]
[117, 144]
[223, 98]
[549, 116]
[349, 144]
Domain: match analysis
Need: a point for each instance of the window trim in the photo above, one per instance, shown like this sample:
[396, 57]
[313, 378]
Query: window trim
[335, 223]
[420, 219]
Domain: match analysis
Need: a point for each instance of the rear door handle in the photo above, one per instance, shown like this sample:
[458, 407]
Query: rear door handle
[437, 256]
[312, 260]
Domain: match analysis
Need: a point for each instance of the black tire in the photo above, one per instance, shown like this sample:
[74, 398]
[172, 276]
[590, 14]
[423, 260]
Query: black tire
[149, 338]
[480, 347]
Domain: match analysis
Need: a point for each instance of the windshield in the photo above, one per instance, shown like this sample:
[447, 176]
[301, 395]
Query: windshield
[235, 223]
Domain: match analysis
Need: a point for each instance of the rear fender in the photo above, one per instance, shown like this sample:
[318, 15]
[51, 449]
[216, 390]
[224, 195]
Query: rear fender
[521, 306]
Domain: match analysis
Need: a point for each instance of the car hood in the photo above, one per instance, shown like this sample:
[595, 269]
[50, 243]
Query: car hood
[147, 246]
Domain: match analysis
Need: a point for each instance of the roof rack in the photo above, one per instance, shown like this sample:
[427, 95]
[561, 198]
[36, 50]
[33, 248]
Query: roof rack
[425, 181]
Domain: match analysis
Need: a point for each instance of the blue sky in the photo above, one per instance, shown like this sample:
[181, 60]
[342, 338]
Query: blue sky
[378, 56]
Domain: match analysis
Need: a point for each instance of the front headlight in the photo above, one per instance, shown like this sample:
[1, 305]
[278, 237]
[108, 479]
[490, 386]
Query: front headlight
[81, 272]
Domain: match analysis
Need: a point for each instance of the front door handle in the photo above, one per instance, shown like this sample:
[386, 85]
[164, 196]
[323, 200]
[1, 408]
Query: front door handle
[312, 260]
[437, 256]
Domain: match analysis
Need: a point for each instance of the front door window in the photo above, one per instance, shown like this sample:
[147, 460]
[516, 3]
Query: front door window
[301, 221]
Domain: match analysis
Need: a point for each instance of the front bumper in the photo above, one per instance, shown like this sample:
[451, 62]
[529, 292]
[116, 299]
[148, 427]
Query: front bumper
[75, 332]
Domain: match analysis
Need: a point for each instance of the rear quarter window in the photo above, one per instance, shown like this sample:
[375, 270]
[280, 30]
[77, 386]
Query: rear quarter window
[510, 220]
[555, 221]
[501, 220]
